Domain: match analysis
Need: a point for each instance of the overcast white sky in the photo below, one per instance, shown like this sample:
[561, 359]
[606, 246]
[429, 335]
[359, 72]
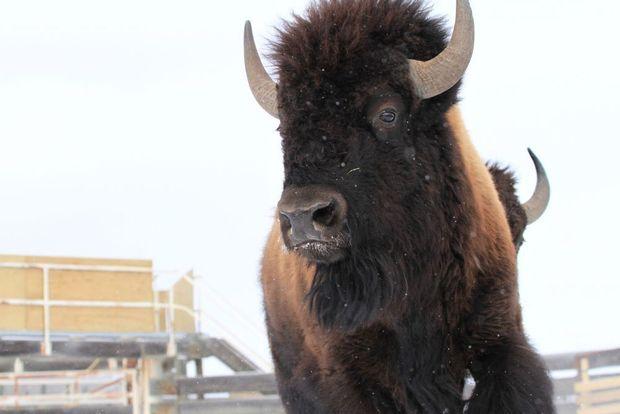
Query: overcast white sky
[128, 130]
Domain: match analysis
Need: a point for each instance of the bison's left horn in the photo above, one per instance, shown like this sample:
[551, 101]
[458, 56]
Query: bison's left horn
[535, 206]
[261, 84]
[433, 77]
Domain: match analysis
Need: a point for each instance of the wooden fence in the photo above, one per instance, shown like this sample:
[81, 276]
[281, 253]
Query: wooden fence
[585, 383]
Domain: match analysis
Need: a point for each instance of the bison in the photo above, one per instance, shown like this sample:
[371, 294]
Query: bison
[390, 272]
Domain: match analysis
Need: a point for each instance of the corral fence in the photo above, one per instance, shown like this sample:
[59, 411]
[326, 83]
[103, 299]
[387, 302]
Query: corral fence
[56, 357]
[136, 375]
[584, 383]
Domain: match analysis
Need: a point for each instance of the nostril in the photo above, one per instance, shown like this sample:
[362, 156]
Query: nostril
[285, 221]
[325, 216]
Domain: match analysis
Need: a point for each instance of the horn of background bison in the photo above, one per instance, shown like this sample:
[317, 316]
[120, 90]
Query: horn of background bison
[263, 87]
[537, 204]
[433, 77]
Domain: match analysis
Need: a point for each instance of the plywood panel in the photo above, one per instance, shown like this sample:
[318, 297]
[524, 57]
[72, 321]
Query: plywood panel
[20, 284]
[106, 286]
[184, 295]
[183, 292]
[116, 320]
[77, 285]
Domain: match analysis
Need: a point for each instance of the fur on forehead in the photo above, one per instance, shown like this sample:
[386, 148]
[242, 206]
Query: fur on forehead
[342, 44]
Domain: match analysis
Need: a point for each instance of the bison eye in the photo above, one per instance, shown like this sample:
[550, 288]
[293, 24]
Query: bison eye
[388, 116]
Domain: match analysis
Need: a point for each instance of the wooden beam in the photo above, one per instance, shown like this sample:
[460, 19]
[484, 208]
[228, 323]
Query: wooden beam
[93, 409]
[599, 397]
[230, 356]
[165, 385]
[603, 409]
[121, 346]
[250, 382]
[266, 405]
[598, 384]
[52, 363]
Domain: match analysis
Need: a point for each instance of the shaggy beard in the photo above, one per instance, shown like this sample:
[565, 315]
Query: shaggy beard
[379, 275]
[354, 292]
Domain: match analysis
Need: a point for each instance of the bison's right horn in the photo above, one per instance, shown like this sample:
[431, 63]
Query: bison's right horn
[536, 205]
[433, 77]
[261, 84]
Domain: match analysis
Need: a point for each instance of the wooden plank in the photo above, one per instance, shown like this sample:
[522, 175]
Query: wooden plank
[93, 409]
[166, 385]
[167, 407]
[112, 320]
[17, 348]
[230, 356]
[105, 349]
[86, 285]
[606, 409]
[21, 284]
[598, 384]
[184, 295]
[121, 346]
[264, 405]
[53, 363]
[196, 346]
[250, 382]
[101, 286]
[599, 397]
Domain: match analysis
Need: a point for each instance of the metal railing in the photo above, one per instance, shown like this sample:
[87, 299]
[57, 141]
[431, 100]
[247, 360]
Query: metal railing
[47, 303]
[70, 388]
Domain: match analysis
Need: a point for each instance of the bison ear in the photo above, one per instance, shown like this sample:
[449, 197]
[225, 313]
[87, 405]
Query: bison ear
[433, 77]
[537, 204]
[263, 87]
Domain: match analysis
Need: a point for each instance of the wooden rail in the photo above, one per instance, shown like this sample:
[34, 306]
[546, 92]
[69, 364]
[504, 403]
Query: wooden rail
[598, 395]
[255, 392]
[584, 383]
[246, 382]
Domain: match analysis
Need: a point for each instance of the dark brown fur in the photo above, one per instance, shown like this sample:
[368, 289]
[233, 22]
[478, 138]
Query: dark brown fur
[427, 289]
[505, 183]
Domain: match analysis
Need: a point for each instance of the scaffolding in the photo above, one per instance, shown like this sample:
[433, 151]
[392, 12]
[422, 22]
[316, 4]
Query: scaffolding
[70, 388]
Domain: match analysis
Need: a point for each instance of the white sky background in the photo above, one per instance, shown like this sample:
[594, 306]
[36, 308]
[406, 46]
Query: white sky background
[128, 130]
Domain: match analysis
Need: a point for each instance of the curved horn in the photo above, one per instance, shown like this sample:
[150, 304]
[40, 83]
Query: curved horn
[433, 77]
[261, 84]
[536, 205]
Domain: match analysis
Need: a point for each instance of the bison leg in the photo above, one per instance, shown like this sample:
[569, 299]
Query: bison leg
[510, 379]
[295, 374]
[296, 399]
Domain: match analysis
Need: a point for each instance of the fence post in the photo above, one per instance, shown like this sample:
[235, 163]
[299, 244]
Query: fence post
[47, 343]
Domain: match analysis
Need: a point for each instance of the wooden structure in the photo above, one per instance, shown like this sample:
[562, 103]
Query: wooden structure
[58, 294]
[597, 394]
[92, 336]
[163, 386]
[137, 375]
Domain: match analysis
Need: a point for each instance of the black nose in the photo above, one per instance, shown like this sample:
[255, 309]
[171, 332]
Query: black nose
[311, 214]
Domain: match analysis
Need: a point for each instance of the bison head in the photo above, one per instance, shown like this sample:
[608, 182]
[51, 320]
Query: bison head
[373, 192]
